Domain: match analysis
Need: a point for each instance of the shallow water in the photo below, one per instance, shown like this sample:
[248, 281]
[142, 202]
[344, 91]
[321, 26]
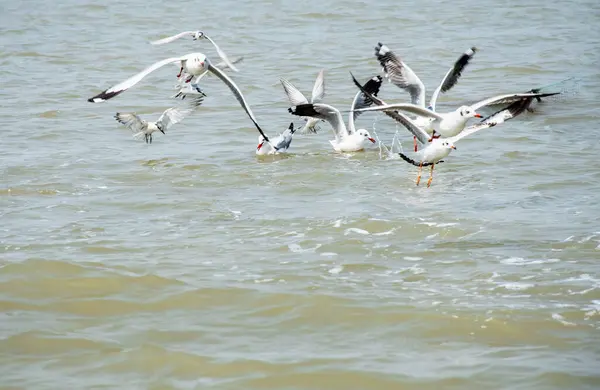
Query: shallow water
[191, 263]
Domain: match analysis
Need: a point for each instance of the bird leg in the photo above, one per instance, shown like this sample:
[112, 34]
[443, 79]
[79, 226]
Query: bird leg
[430, 175]
[188, 80]
[415, 143]
[434, 136]
[419, 175]
[180, 72]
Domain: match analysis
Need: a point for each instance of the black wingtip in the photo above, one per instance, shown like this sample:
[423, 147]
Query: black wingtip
[103, 96]
[304, 110]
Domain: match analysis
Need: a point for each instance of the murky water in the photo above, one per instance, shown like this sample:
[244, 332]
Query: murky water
[190, 263]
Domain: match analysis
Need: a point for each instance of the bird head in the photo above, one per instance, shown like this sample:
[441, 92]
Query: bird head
[198, 35]
[364, 133]
[467, 112]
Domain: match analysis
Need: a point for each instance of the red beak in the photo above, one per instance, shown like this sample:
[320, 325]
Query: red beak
[478, 116]
[372, 140]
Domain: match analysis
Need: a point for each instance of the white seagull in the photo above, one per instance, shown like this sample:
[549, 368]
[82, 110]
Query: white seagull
[168, 118]
[280, 144]
[439, 148]
[196, 64]
[197, 35]
[296, 98]
[347, 139]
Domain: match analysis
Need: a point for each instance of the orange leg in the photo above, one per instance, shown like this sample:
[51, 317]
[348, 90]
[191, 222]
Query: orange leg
[430, 176]
[419, 175]
[415, 143]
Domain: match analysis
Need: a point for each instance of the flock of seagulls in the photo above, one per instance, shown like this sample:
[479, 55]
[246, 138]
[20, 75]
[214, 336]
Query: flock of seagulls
[436, 132]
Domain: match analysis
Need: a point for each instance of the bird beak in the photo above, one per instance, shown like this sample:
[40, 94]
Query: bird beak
[453, 147]
[372, 140]
[260, 145]
[478, 116]
[161, 130]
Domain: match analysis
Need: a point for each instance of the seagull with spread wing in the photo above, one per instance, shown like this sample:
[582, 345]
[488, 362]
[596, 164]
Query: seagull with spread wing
[296, 98]
[196, 64]
[347, 139]
[170, 117]
[438, 148]
[197, 35]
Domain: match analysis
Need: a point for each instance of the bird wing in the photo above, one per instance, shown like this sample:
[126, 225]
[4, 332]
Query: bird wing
[361, 99]
[512, 111]
[452, 76]
[294, 95]
[175, 115]
[238, 95]
[223, 65]
[508, 98]
[172, 38]
[131, 121]
[130, 82]
[408, 107]
[398, 73]
[318, 91]
[404, 120]
[222, 54]
[325, 112]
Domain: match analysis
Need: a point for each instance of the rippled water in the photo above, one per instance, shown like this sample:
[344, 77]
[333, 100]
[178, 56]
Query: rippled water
[190, 263]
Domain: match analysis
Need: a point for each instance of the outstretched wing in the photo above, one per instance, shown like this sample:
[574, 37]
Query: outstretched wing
[398, 73]
[408, 107]
[130, 82]
[222, 54]
[361, 100]
[175, 115]
[318, 91]
[452, 76]
[131, 121]
[325, 112]
[240, 98]
[173, 38]
[223, 65]
[501, 116]
[294, 95]
[509, 98]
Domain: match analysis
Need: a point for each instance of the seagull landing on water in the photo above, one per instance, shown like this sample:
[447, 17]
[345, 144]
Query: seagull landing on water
[280, 144]
[195, 64]
[347, 139]
[168, 118]
[439, 148]
[197, 35]
[297, 98]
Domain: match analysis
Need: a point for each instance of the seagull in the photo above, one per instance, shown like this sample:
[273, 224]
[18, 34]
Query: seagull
[347, 139]
[168, 118]
[281, 143]
[196, 64]
[439, 148]
[197, 35]
[452, 123]
[296, 98]
[401, 75]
